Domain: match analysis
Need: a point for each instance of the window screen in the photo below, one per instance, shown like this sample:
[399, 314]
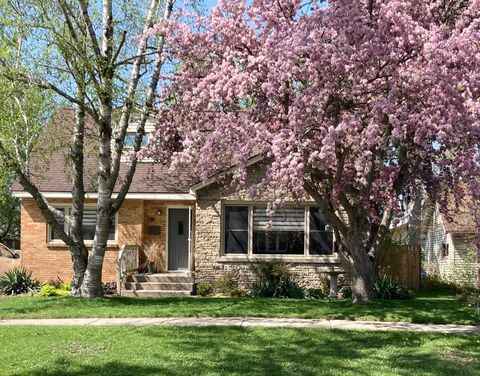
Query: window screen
[236, 229]
[281, 233]
[321, 239]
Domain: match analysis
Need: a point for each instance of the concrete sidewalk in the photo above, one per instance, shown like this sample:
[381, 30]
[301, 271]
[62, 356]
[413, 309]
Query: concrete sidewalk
[250, 322]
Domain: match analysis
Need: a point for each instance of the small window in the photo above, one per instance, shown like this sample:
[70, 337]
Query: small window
[89, 224]
[53, 235]
[281, 233]
[321, 237]
[130, 140]
[236, 229]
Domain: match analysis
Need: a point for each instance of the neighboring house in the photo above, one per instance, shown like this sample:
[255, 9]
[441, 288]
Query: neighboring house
[204, 229]
[448, 239]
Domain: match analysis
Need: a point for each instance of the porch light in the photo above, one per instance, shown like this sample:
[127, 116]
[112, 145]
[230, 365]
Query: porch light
[159, 212]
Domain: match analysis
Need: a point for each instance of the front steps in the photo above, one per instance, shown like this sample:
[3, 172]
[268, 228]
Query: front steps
[156, 285]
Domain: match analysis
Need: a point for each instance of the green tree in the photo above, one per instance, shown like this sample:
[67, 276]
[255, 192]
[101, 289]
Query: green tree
[84, 55]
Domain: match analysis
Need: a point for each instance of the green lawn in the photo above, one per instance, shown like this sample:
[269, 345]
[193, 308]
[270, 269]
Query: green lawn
[438, 309]
[69, 351]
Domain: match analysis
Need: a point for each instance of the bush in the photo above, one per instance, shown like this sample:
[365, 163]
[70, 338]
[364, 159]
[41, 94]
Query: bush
[387, 288]
[273, 280]
[109, 288]
[67, 286]
[228, 285]
[315, 294]
[48, 289]
[204, 288]
[435, 283]
[345, 292]
[18, 281]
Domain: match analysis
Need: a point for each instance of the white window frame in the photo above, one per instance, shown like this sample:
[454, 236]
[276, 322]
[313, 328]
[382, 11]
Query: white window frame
[132, 128]
[66, 212]
[250, 254]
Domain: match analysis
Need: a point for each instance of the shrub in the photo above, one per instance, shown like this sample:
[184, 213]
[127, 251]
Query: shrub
[154, 260]
[273, 280]
[228, 285]
[18, 281]
[48, 289]
[435, 283]
[345, 292]
[387, 288]
[315, 294]
[109, 288]
[204, 288]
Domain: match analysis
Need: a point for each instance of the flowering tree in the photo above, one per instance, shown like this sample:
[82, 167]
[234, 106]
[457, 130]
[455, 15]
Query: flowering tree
[355, 104]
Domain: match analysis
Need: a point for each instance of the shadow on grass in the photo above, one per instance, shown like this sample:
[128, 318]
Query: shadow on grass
[438, 309]
[240, 351]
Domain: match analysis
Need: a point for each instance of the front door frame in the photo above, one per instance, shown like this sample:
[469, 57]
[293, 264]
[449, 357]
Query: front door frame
[190, 213]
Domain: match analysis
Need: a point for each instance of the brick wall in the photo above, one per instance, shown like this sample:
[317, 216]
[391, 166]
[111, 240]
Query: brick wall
[50, 261]
[209, 265]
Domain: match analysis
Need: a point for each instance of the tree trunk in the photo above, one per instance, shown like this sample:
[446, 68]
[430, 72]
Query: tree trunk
[80, 254]
[362, 267]
[79, 261]
[363, 275]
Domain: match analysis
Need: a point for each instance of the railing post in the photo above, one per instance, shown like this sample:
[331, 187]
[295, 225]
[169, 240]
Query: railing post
[119, 270]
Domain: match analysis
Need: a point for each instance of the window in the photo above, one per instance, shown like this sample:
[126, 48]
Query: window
[130, 140]
[281, 233]
[53, 234]
[321, 237]
[236, 229]
[248, 229]
[89, 222]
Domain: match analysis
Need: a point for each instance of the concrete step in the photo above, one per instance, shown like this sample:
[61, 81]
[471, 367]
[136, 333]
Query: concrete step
[161, 278]
[167, 286]
[154, 293]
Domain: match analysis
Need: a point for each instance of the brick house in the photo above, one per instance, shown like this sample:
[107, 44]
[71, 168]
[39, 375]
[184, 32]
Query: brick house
[204, 229]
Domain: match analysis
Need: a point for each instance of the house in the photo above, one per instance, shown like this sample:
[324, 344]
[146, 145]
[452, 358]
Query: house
[447, 237]
[204, 229]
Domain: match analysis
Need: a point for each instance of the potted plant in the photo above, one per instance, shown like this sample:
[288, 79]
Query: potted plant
[154, 261]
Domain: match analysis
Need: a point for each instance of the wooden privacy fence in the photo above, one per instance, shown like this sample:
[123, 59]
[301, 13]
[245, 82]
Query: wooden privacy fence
[402, 262]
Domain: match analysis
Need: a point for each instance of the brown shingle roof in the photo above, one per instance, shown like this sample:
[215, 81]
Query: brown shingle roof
[50, 171]
[460, 219]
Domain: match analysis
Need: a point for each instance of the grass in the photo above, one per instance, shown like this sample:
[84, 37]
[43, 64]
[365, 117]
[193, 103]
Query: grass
[69, 351]
[436, 309]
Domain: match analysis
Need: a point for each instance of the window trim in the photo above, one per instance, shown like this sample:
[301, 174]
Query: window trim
[250, 256]
[67, 208]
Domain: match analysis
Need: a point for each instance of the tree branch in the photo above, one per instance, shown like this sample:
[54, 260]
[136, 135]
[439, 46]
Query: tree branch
[91, 30]
[147, 109]
[131, 91]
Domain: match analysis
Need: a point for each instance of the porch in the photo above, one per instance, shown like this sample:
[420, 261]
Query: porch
[158, 259]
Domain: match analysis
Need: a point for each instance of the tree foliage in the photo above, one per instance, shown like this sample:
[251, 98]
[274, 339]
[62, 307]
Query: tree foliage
[355, 104]
[96, 57]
